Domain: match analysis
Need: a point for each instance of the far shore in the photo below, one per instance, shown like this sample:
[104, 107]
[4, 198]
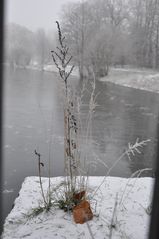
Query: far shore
[138, 78]
[143, 79]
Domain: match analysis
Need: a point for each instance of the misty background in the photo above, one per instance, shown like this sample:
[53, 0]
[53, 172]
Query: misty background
[100, 33]
[34, 14]
[109, 38]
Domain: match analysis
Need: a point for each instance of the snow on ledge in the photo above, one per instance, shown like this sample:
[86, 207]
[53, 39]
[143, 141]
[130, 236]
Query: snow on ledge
[131, 219]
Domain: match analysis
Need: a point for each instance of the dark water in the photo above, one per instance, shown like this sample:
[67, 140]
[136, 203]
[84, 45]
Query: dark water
[33, 119]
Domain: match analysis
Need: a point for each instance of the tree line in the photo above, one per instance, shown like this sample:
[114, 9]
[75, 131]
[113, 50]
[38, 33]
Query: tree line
[101, 33]
[24, 47]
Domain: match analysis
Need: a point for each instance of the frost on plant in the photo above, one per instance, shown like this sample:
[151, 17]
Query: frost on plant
[62, 61]
[136, 147]
[73, 191]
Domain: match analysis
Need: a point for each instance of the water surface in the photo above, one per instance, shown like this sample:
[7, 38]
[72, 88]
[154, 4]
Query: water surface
[33, 119]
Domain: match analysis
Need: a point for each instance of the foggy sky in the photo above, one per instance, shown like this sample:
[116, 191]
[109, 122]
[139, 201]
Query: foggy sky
[34, 14]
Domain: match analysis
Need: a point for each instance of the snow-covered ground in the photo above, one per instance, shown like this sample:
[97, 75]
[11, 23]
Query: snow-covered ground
[140, 79]
[143, 79]
[129, 219]
[53, 68]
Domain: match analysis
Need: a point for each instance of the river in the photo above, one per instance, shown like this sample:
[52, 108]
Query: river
[33, 119]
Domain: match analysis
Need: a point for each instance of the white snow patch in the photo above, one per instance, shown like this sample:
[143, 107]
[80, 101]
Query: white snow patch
[131, 219]
[53, 68]
[135, 78]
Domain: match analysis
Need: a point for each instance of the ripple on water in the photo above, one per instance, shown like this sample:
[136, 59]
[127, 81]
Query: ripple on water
[9, 126]
[147, 113]
[144, 108]
[6, 191]
[29, 126]
[7, 146]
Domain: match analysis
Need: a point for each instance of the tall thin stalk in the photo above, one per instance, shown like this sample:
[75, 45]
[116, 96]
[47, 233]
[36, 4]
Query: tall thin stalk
[39, 171]
[62, 60]
[132, 149]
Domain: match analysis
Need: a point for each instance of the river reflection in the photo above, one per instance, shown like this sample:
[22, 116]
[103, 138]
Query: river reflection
[33, 119]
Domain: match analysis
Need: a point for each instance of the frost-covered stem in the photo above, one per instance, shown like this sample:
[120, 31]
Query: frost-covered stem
[108, 172]
[90, 231]
[136, 174]
[39, 170]
[88, 134]
[61, 60]
[92, 106]
[89, 131]
[68, 149]
[49, 187]
[113, 223]
[132, 149]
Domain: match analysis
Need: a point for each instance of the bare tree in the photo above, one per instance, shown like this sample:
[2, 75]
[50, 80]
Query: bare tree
[19, 47]
[92, 29]
[42, 47]
[106, 32]
[76, 25]
[144, 31]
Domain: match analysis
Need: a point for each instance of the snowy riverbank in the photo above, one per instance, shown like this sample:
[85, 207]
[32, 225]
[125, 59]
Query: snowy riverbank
[52, 68]
[140, 79]
[130, 220]
[143, 79]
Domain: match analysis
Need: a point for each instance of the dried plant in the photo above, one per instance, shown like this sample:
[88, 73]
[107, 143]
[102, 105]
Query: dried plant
[75, 184]
[86, 125]
[62, 60]
[40, 164]
[131, 150]
[135, 148]
[136, 174]
[114, 217]
[46, 201]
